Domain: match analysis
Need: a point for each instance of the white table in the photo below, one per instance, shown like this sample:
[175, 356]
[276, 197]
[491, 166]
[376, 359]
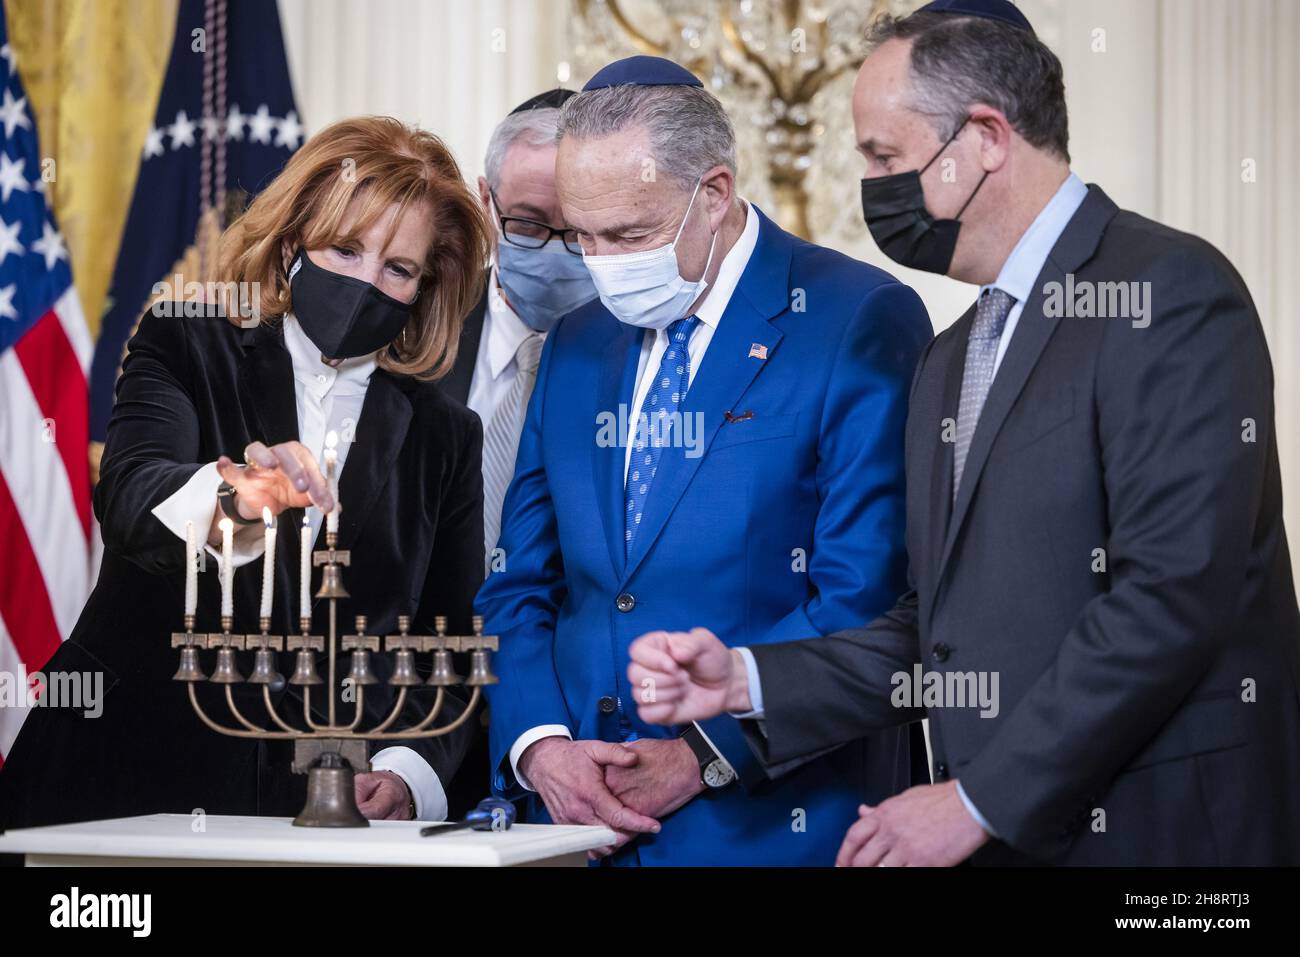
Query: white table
[175, 840]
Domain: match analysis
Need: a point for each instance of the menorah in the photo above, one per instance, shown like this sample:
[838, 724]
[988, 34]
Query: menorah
[328, 753]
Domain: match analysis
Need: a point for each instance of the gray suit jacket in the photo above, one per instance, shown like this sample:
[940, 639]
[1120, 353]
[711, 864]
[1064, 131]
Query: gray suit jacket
[1148, 709]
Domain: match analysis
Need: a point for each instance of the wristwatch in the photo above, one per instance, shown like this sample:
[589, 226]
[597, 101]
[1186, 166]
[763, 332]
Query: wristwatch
[226, 496]
[715, 772]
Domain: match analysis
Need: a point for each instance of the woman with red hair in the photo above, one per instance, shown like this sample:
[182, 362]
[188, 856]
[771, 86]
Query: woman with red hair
[359, 260]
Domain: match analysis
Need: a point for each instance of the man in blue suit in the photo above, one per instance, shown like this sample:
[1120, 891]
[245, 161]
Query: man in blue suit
[716, 441]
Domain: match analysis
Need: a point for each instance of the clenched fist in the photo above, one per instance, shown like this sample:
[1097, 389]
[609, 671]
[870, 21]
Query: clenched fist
[686, 676]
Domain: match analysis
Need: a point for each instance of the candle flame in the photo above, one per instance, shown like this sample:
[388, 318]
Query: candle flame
[226, 525]
[266, 516]
[331, 439]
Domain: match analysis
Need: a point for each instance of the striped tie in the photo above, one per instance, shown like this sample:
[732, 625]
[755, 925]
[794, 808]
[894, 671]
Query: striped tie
[977, 378]
[501, 440]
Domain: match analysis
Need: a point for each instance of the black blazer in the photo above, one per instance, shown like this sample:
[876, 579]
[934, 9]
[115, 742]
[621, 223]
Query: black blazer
[411, 494]
[458, 381]
[1161, 690]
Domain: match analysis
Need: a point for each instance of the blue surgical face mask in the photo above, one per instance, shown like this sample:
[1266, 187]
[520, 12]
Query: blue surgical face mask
[542, 284]
[646, 288]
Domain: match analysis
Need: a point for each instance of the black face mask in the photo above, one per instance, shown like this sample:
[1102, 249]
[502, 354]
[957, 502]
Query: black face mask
[344, 317]
[894, 208]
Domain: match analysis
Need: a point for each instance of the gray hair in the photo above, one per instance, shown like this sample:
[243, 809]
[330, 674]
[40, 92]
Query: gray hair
[689, 131]
[957, 62]
[535, 127]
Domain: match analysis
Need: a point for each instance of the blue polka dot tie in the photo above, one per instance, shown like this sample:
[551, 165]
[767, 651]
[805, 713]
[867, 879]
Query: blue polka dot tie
[659, 423]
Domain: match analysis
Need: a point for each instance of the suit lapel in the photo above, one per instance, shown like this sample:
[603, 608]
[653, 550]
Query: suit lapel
[614, 389]
[266, 386]
[725, 373]
[381, 430]
[1033, 330]
[458, 380]
[941, 477]
[1032, 333]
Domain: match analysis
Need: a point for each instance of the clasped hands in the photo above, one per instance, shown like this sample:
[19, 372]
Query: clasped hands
[691, 676]
[625, 787]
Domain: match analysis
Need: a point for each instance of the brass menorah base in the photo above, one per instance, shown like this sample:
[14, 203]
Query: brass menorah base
[331, 792]
[331, 754]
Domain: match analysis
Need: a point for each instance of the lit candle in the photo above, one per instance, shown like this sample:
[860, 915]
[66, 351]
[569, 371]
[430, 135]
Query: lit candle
[227, 567]
[268, 564]
[331, 474]
[304, 591]
[191, 570]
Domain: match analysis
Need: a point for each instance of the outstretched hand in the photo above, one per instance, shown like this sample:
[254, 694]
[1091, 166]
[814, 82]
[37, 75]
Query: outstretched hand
[279, 477]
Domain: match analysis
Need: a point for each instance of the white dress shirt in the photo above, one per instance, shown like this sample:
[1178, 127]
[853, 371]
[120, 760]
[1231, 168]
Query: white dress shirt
[1017, 277]
[329, 399]
[495, 366]
[653, 347]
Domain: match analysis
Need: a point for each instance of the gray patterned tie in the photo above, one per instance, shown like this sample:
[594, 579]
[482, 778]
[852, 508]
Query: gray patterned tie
[991, 313]
[501, 439]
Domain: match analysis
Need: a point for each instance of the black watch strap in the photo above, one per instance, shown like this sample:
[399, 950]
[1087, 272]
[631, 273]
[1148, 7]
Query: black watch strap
[226, 496]
[706, 756]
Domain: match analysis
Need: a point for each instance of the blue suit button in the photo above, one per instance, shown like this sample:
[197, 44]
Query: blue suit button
[625, 602]
[607, 705]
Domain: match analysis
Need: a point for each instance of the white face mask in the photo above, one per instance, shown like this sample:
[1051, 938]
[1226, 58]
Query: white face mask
[646, 288]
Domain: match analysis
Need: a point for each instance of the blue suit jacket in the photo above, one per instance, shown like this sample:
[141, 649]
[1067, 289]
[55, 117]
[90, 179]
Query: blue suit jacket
[789, 525]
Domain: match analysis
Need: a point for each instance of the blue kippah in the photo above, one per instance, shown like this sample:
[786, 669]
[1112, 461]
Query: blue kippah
[1002, 10]
[642, 71]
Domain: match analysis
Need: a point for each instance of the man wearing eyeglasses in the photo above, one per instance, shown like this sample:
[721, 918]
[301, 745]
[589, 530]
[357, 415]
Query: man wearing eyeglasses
[537, 276]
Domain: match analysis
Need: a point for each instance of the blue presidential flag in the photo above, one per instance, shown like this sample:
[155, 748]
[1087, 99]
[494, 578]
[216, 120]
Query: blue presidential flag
[224, 127]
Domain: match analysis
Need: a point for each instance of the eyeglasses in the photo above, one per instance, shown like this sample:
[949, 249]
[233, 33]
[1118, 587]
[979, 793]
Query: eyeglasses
[530, 234]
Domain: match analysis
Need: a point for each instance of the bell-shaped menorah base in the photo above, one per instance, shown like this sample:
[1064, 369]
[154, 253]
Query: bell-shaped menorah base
[331, 798]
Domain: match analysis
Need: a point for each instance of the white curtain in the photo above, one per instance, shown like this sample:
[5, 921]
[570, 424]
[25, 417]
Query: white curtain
[454, 67]
[1191, 116]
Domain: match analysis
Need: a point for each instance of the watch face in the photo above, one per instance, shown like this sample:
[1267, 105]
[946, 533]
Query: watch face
[717, 775]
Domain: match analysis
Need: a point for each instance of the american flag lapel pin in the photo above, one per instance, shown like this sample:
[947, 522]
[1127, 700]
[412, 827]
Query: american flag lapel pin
[758, 351]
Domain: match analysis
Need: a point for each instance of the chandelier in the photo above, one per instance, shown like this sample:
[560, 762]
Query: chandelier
[783, 69]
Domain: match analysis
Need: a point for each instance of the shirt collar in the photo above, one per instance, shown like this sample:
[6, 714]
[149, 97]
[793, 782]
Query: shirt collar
[1029, 256]
[350, 374]
[505, 330]
[729, 273]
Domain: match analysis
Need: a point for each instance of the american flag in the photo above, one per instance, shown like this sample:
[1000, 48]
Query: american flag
[46, 525]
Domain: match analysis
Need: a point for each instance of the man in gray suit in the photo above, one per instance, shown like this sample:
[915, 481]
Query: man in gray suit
[1102, 623]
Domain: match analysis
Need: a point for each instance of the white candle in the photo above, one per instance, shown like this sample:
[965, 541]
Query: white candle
[304, 591]
[331, 474]
[191, 570]
[227, 567]
[268, 564]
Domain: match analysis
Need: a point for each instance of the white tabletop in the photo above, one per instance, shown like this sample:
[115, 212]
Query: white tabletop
[176, 837]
